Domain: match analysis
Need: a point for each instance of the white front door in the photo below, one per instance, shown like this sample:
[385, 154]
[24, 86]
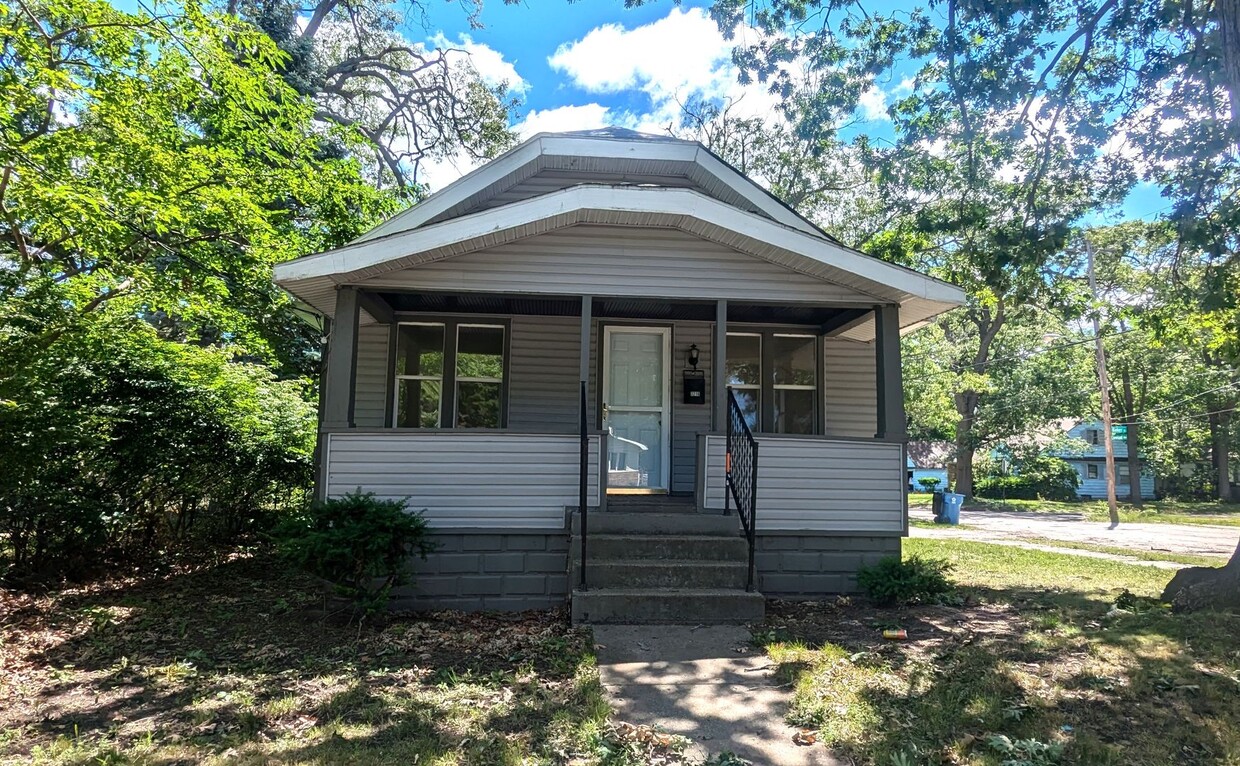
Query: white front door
[637, 394]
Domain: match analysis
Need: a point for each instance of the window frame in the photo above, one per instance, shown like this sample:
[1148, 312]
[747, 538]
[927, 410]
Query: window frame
[757, 387]
[502, 380]
[448, 395]
[1092, 468]
[766, 374]
[397, 377]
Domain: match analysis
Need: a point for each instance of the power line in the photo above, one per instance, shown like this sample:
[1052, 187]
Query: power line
[1024, 355]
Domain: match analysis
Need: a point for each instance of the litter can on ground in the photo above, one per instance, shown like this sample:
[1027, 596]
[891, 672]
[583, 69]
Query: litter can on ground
[936, 503]
[950, 513]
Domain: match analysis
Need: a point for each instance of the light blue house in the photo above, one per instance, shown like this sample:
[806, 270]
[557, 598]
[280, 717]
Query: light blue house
[1089, 460]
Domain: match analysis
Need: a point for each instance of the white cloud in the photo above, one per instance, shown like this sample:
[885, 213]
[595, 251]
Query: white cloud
[489, 63]
[873, 104]
[678, 57]
[562, 119]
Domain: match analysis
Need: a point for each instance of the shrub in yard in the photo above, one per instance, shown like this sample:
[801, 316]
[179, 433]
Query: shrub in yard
[913, 580]
[929, 483]
[358, 543]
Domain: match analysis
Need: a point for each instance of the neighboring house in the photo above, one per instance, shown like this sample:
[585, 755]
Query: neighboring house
[651, 274]
[928, 460]
[1091, 464]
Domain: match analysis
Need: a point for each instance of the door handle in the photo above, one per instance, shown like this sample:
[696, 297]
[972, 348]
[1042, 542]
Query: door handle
[605, 410]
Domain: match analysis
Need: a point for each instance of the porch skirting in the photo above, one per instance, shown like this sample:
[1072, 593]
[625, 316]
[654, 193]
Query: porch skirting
[510, 571]
[815, 566]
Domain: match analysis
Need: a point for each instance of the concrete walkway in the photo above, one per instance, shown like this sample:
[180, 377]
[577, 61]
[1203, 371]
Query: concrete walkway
[707, 683]
[1012, 526]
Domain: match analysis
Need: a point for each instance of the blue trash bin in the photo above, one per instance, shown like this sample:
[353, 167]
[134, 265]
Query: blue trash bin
[952, 503]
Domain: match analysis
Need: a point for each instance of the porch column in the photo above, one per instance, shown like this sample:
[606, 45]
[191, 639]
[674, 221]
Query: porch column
[338, 378]
[719, 359]
[890, 379]
[587, 307]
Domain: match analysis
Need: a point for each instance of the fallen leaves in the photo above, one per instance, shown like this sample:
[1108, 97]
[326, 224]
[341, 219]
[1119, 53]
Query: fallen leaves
[805, 737]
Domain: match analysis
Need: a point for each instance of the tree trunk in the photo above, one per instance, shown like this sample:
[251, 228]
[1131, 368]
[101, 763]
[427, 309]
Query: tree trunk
[966, 405]
[1221, 448]
[1196, 588]
[1133, 440]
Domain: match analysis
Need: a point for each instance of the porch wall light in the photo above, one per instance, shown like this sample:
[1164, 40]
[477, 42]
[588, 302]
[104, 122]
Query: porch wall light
[693, 356]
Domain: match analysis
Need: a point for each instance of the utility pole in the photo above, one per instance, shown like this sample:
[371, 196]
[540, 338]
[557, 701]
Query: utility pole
[1104, 386]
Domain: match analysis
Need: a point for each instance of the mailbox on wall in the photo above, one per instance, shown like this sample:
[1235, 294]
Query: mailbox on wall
[695, 387]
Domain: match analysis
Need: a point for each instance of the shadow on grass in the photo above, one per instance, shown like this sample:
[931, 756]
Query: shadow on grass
[237, 662]
[1147, 688]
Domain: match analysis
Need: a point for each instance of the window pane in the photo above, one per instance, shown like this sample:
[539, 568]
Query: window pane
[744, 364]
[419, 350]
[417, 403]
[794, 411]
[795, 361]
[480, 352]
[749, 401]
[477, 405]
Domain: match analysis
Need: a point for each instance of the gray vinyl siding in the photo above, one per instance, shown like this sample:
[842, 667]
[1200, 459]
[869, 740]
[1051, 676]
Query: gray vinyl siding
[619, 261]
[688, 420]
[543, 369]
[819, 484]
[371, 392]
[466, 480]
[850, 389]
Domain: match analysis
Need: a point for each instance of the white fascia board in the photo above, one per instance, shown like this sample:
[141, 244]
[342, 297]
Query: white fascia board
[459, 190]
[748, 189]
[643, 200]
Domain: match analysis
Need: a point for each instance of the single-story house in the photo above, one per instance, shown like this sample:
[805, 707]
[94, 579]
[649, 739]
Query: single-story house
[929, 460]
[1091, 464]
[613, 369]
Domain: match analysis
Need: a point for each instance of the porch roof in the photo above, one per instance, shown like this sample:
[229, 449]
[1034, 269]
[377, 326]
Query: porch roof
[314, 278]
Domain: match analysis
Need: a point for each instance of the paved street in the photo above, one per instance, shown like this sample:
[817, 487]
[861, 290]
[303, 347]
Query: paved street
[1014, 525]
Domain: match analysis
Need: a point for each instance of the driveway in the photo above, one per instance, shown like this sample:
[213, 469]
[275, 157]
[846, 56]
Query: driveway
[996, 525]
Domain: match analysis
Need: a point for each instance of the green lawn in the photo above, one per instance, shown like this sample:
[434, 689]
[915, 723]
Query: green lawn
[1154, 511]
[1030, 669]
[237, 665]
[1188, 559]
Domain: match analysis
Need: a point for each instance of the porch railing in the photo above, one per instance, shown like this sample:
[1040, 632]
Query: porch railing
[740, 476]
[585, 477]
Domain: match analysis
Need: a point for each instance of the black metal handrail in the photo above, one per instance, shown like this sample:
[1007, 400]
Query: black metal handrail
[581, 490]
[741, 476]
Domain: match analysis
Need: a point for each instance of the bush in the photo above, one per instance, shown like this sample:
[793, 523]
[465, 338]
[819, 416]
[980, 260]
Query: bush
[119, 447]
[1038, 477]
[358, 543]
[929, 483]
[913, 580]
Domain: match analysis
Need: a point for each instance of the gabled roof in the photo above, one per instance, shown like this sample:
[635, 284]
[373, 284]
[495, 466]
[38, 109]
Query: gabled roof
[623, 153]
[649, 181]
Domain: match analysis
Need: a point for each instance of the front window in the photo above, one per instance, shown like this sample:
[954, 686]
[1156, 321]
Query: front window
[744, 374]
[790, 384]
[449, 375]
[1091, 471]
[795, 383]
[419, 375]
[479, 376]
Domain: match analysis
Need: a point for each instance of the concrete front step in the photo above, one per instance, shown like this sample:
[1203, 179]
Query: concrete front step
[655, 506]
[609, 547]
[654, 573]
[609, 522]
[672, 606]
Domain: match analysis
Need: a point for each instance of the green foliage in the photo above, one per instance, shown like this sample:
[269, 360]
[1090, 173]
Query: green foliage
[1025, 752]
[358, 543]
[119, 445]
[1034, 476]
[912, 580]
[929, 483]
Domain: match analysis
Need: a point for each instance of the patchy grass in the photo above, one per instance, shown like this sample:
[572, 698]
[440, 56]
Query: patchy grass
[923, 524]
[237, 664]
[1153, 511]
[1036, 668]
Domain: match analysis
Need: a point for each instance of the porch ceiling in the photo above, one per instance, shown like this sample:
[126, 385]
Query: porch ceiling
[832, 319]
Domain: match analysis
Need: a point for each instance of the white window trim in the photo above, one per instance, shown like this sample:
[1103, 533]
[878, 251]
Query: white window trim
[458, 380]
